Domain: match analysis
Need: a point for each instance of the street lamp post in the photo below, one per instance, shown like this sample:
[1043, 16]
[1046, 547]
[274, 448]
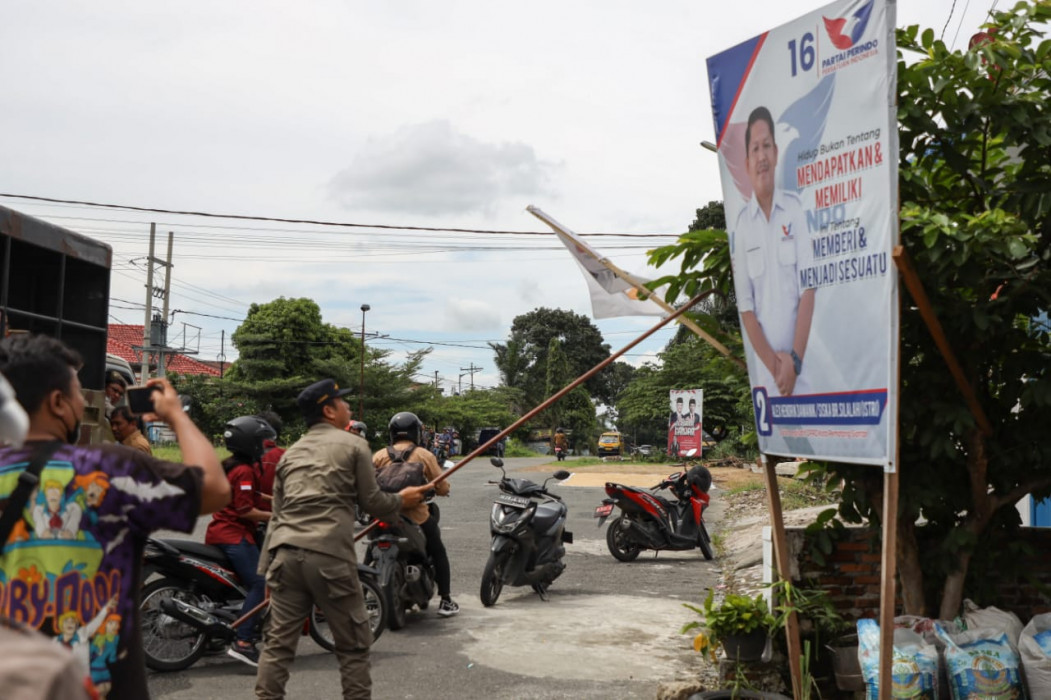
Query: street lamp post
[361, 388]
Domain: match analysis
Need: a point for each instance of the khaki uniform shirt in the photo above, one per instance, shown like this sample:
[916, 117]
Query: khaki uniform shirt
[318, 482]
[138, 442]
[431, 470]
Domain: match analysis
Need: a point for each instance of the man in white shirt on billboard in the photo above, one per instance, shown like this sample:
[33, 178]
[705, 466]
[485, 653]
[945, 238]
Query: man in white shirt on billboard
[769, 244]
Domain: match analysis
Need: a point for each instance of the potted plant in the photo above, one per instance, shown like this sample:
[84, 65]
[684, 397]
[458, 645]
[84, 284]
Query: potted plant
[739, 624]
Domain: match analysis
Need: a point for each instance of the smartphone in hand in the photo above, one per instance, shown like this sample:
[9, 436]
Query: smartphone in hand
[139, 400]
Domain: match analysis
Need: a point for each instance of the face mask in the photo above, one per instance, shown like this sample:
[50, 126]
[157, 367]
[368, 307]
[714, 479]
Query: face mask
[72, 434]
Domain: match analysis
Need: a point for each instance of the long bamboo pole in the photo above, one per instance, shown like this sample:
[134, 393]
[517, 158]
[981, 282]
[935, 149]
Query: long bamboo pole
[919, 295]
[481, 449]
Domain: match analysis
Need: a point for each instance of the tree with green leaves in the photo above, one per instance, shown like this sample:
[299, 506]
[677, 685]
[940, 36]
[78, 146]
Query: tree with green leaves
[575, 412]
[975, 194]
[523, 359]
[690, 363]
[285, 345]
[468, 412]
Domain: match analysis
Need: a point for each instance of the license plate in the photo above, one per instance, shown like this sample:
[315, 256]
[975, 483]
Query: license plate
[506, 499]
[604, 510]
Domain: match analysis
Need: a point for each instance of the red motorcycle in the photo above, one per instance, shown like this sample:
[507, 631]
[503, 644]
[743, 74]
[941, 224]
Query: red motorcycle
[648, 520]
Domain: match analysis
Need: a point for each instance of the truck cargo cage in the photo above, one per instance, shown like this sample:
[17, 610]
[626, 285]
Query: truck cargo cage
[56, 282]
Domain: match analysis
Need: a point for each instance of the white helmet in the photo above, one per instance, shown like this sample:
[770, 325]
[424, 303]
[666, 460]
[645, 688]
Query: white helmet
[14, 423]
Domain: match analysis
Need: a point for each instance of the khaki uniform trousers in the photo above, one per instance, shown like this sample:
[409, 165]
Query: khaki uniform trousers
[298, 579]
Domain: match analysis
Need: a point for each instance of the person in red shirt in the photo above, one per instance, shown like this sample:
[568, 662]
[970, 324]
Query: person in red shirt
[268, 464]
[233, 529]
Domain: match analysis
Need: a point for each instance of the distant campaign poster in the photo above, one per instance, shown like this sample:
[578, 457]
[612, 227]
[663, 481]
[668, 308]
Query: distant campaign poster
[684, 422]
[807, 140]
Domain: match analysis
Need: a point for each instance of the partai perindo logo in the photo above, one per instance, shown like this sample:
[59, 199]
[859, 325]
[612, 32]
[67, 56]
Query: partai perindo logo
[844, 32]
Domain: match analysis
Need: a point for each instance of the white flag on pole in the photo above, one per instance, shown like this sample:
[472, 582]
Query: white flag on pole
[611, 295]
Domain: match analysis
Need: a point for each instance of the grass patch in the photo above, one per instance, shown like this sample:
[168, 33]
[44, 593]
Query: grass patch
[598, 461]
[748, 487]
[171, 452]
[797, 494]
[514, 448]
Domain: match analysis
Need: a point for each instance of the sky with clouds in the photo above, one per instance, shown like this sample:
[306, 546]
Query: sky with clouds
[453, 115]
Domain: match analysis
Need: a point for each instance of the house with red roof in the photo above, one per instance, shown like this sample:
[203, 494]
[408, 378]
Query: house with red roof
[122, 338]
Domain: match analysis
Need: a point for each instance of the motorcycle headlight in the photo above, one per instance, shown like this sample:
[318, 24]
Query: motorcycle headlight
[507, 518]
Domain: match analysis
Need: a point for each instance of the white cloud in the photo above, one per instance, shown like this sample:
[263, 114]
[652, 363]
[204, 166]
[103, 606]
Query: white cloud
[434, 169]
[471, 315]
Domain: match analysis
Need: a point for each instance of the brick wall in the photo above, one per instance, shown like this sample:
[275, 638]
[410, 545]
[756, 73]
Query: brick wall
[852, 574]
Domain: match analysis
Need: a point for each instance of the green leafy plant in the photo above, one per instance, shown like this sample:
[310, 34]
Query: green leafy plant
[736, 615]
[813, 605]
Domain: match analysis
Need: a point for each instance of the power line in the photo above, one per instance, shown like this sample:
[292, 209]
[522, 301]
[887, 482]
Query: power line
[313, 222]
[948, 19]
[960, 25]
[228, 227]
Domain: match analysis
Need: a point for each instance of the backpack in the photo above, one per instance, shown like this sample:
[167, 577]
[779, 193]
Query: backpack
[400, 473]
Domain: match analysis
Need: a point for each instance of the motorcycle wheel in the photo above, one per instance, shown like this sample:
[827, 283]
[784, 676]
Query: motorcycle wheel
[493, 579]
[167, 643]
[622, 548]
[375, 608]
[395, 602]
[705, 543]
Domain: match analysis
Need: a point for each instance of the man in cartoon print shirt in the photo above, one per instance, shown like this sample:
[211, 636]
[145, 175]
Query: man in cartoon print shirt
[769, 244]
[108, 497]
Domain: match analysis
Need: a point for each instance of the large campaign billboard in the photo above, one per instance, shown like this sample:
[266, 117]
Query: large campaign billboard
[684, 424]
[806, 130]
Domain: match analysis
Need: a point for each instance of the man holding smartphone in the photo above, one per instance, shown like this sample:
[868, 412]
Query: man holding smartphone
[102, 502]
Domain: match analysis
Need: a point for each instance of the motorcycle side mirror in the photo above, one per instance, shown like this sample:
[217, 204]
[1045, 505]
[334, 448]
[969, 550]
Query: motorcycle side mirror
[449, 464]
[691, 453]
[496, 462]
[562, 475]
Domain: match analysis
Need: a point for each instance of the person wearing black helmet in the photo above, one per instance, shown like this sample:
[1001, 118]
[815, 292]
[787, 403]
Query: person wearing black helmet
[406, 432]
[233, 529]
[357, 427]
[309, 556]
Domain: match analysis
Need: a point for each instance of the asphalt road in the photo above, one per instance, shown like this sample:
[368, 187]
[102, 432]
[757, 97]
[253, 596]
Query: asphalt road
[609, 630]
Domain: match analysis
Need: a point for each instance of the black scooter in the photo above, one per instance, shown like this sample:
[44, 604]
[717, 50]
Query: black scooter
[192, 596]
[528, 527]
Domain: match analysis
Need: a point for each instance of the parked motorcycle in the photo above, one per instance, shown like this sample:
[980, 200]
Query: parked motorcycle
[560, 453]
[398, 551]
[648, 520]
[527, 523]
[192, 595]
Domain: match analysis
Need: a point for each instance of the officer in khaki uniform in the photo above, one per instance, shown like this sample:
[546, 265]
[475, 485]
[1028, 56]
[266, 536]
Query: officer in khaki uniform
[308, 554]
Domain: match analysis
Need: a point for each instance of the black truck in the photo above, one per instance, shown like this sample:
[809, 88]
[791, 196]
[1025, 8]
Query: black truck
[55, 281]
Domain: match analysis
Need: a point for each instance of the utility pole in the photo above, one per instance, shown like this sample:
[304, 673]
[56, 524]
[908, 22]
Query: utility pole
[154, 330]
[222, 353]
[472, 369]
[144, 374]
[161, 372]
[435, 379]
[222, 359]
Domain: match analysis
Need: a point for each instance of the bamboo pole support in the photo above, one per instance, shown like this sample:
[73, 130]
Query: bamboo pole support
[923, 303]
[777, 518]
